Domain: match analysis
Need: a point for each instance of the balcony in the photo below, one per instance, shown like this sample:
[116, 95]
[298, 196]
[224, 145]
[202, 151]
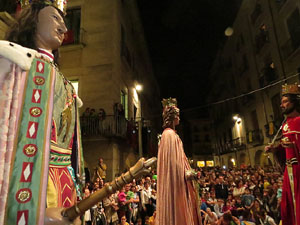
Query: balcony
[255, 137]
[236, 144]
[261, 39]
[268, 76]
[110, 126]
[256, 13]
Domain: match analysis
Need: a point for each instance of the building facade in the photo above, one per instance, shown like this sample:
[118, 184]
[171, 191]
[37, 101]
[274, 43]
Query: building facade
[260, 56]
[105, 56]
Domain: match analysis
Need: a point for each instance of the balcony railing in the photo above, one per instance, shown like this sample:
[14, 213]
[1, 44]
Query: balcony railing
[110, 126]
[255, 137]
[233, 145]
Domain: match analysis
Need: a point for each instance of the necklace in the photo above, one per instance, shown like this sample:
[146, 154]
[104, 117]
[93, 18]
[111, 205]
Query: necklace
[66, 114]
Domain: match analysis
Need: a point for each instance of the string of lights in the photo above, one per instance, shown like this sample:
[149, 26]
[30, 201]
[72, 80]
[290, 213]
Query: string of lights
[241, 95]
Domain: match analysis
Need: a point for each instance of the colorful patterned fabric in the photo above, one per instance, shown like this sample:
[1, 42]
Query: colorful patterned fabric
[30, 151]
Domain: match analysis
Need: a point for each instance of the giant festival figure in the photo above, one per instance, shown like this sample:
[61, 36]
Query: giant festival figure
[177, 202]
[290, 145]
[40, 144]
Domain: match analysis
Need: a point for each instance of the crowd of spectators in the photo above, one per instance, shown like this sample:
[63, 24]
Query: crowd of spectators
[134, 204]
[240, 196]
[227, 196]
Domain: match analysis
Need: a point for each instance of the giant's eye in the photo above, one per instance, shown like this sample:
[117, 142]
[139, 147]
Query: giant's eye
[55, 17]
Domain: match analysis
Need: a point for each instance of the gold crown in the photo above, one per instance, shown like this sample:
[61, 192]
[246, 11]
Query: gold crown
[60, 4]
[290, 89]
[169, 102]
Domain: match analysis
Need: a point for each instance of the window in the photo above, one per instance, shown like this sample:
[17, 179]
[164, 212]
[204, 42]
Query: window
[293, 23]
[124, 102]
[124, 48]
[276, 107]
[75, 85]
[256, 12]
[73, 24]
[254, 120]
[262, 37]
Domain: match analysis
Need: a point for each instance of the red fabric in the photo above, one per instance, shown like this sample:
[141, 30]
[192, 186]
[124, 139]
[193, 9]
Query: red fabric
[176, 202]
[291, 130]
[64, 186]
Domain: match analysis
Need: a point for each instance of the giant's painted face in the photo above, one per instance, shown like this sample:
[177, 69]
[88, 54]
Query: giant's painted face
[50, 29]
[286, 106]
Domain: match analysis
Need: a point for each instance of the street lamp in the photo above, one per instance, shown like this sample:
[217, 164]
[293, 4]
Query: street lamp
[138, 87]
[237, 119]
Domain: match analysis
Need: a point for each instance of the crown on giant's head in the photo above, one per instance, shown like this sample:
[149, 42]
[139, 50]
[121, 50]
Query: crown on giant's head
[60, 4]
[169, 102]
[290, 89]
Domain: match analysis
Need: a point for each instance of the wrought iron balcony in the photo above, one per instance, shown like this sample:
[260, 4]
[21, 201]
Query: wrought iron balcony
[110, 126]
[232, 145]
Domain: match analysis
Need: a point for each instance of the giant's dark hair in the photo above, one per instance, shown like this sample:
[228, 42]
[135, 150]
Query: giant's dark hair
[23, 31]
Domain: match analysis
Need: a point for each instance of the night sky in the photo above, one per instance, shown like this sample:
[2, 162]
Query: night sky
[183, 38]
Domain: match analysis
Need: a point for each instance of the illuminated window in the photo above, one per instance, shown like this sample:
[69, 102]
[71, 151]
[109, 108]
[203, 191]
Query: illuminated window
[201, 163]
[210, 163]
[75, 85]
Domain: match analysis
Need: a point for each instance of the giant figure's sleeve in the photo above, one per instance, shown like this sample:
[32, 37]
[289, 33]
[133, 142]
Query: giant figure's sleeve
[26, 93]
[10, 98]
[172, 193]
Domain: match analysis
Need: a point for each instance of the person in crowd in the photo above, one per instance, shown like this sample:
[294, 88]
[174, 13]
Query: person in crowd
[221, 189]
[218, 207]
[228, 219]
[212, 200]
[123, 221]
[135, 204]
[247, 218]
[264, 218]
[146, 201]
[110, 208]
[211, 218]
[152, 219]
[227, 206]
[100, 170]
[239, 190]
[122, 203]
[87, 214]
[128, 203]
[247, 199]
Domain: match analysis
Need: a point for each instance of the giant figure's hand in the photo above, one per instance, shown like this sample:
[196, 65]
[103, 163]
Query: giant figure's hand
[54, 217]
[269, 148]
[191, 174]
